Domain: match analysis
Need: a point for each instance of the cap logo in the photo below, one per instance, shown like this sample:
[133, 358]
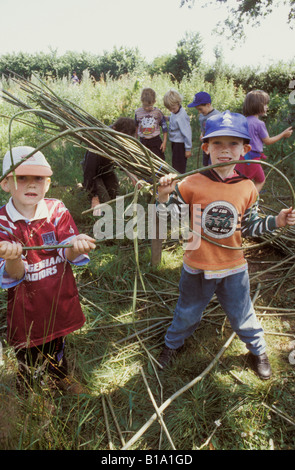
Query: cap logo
[227, 120]
[32, 158]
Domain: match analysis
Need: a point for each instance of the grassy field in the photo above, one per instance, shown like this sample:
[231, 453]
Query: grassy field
[207, 403]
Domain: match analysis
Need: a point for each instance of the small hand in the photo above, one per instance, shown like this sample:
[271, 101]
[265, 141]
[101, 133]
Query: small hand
[83, 244]
[286, 217]
[167, 185]
[288, 132]
[10, 251]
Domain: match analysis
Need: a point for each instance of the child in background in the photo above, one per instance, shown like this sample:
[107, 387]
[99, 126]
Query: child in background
[75, 79]
[43, 301]
[149, 121]
[180, 133]
[99, 177]
[203, 103]
[255, 106]
[228, 211]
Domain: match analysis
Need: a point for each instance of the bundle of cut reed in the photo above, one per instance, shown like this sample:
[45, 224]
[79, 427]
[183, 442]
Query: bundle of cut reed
[59, 116]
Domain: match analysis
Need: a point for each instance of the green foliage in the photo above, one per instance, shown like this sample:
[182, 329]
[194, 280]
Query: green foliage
[187, 58]
[276, 78]
[115, 63]
[186, 62]
[160, 64]
[119, 62]
[109, 98]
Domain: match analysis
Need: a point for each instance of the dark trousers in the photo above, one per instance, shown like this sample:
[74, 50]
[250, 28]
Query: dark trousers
[178, 157]
[49, 357]
[154, 145]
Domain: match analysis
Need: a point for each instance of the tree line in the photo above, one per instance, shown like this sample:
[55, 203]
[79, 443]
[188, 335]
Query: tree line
[187, 59]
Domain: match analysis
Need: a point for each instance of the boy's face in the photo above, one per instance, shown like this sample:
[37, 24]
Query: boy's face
[29, 191]
[204, 108]
[147, 106]
[225, 149]
[174, 108]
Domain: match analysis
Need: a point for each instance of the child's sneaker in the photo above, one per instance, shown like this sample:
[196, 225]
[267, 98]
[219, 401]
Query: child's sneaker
[261, 365]
[167, 356]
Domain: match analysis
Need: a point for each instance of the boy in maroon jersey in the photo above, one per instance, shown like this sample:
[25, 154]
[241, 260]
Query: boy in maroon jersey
[43, 302]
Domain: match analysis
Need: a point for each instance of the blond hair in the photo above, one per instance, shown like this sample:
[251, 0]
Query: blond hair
[171, 98]
[254, 102]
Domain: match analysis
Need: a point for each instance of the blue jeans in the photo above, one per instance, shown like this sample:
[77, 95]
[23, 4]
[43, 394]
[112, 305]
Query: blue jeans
[233, 293]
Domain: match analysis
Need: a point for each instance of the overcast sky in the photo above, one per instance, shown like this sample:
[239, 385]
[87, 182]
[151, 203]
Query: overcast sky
[154, 26]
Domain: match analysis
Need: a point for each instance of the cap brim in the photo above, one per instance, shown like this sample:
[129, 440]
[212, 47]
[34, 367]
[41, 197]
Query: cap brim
[226, 132]
[32, 170]
[193, 105]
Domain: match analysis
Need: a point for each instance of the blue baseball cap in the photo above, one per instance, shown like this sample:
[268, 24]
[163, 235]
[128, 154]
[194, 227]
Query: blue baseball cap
[227, 124]
[200, 98]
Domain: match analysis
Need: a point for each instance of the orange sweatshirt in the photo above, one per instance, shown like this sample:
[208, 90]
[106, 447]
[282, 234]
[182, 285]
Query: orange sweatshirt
[223, 205]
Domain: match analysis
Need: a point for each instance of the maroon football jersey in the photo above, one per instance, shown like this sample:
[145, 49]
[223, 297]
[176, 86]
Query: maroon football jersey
[45, 304]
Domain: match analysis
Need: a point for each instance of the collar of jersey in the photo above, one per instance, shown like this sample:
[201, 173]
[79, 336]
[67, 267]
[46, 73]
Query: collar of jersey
[41, 212]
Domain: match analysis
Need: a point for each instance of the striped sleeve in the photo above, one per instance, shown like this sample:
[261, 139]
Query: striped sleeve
[254, 225]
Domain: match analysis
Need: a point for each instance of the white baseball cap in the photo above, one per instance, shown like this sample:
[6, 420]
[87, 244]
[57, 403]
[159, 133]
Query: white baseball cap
[36, 165]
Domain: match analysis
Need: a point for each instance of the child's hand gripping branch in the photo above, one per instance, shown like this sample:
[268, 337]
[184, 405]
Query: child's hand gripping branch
[285, 217]
[12, 252]
[166, 186]
[81, 244]
[14, 265]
